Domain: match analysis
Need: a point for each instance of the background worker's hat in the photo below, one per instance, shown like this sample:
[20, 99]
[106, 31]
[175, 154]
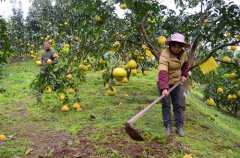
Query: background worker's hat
[177, 37]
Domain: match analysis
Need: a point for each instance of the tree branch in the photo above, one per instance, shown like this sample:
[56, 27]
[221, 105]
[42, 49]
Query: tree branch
[146, 39]
[130, 41]
[235, 64]
[193, 49]
[213, 51]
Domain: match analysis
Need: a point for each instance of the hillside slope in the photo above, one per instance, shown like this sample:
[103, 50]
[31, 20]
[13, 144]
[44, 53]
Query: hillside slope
[43, 130]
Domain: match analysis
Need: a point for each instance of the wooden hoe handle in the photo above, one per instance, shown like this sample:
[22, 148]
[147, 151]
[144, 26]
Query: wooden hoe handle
[142, 112]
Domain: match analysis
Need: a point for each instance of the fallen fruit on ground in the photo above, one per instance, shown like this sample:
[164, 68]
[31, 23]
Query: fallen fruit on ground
[76, 105]
[61, 97]
[65, 108]
[2, 138]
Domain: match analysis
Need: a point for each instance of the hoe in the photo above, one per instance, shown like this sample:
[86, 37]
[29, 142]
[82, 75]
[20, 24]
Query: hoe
[128, 125]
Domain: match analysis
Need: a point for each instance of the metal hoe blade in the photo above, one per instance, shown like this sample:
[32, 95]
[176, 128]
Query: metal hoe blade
[133, 133]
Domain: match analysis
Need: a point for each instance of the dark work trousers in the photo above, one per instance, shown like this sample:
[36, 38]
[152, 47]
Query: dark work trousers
[175, 98]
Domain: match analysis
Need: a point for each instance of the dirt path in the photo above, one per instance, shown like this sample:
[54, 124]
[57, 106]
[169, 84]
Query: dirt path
[48, 143]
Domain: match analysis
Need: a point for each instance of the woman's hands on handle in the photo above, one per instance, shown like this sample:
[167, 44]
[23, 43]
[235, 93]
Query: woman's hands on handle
[165, 93]
[183, 79]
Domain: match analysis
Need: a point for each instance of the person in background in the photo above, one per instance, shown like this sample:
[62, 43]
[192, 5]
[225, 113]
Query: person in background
[173, 68]
[48, 54]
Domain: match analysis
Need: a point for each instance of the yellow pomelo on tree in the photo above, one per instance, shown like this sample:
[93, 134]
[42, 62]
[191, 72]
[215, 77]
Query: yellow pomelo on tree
[210, 102]
[230, 96]
[123, 6]
[233, 48]
[228, 34]
[89, 66]
[161, 40]
[132, 64]
[47, 90]
[134, 71]
[145, 73]
[33, 56]
[85, 72]
[219, 90]
[119, 72]
[232, 76]
[67, 45]
[149, 53]
[238, 36]
[234, 96]
[125, 80]
[141, 57]
[106, 86]
[116, 44]
[119, 78]
[97, 18]
[136, 53]
[144, 46]
[49, 61]
[111, 92]
[83, 67]
[38, 62]
[75, 58]
[57, 55]
[51, 41]
[238, 94]
[101, 61]
[69, 77]
[205, 21]
[226, 59]
[76, 38]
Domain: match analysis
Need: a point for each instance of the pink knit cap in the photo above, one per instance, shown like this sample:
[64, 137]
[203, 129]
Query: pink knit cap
[177, 37]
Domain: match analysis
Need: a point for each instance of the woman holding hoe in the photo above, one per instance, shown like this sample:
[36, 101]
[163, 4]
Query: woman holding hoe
[173, 68]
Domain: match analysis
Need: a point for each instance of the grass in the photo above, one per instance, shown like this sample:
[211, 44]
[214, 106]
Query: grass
[210, 133]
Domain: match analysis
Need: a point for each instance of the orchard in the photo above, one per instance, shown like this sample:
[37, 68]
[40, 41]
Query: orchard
[89, 37]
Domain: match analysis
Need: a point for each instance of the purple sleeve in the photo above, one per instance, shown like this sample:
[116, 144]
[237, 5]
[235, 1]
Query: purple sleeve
[185, 69]
[163, 79]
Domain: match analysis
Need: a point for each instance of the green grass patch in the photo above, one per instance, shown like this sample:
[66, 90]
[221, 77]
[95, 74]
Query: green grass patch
[209, 132]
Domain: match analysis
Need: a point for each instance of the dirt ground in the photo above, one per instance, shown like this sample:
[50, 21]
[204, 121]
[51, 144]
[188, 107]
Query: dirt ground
[48, 143]
[58, 144]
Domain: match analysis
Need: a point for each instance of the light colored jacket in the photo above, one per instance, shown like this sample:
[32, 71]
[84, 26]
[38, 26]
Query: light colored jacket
[172, 65]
